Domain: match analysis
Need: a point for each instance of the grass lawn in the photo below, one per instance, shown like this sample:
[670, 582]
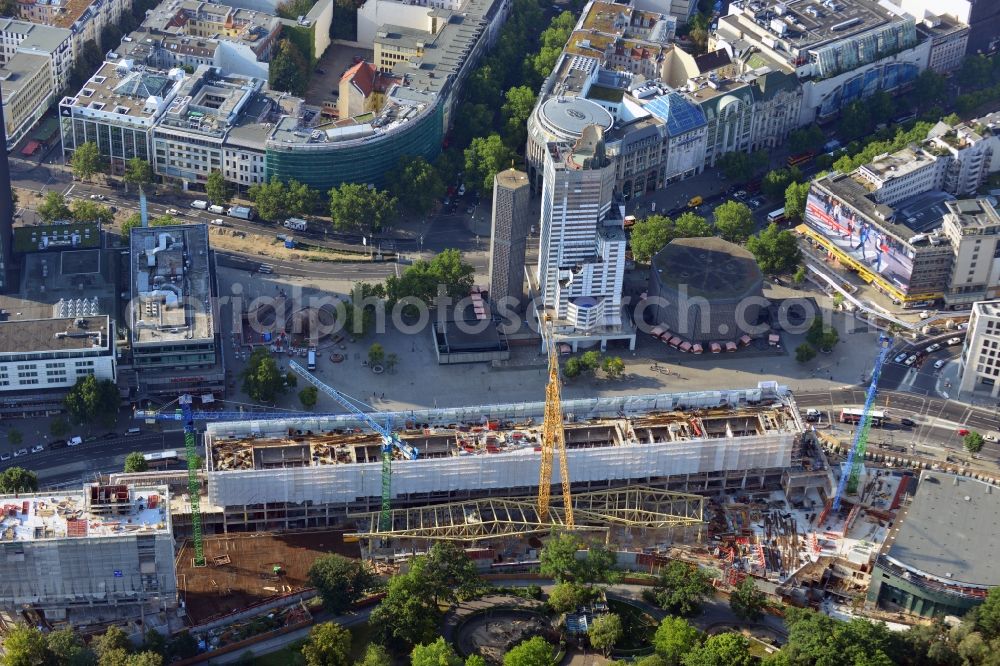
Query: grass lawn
[290, 656]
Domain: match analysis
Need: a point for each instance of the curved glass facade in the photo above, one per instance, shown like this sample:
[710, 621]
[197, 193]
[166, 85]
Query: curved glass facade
[886, 77]
[326, 165]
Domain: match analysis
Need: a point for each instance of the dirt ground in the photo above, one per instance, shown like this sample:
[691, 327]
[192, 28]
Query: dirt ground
[248, 577]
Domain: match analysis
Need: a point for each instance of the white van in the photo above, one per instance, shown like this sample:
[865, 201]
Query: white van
[75, 441]
[217, 209]
[198, 203]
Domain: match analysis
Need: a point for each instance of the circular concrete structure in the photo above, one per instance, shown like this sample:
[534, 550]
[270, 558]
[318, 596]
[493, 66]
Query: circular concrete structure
[565, 117]
[706, 289]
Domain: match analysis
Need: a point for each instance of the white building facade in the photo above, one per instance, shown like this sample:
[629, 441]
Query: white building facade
[43, 354]
[980, 360]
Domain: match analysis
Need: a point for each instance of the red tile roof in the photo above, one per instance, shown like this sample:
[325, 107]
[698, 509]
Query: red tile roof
[363, 76]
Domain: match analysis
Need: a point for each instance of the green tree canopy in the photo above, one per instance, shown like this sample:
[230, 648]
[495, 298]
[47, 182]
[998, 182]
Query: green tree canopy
[532, 652]
[674, 638]
[261, 379]
[355, 207]
[270, 199]
[375, 655]
[93, 399]
[747, 601]
[138, 172]
[604, 632]
[681, 588]
[86, 160]
[558, 560]
[133, 221]
[775, 250]
[53, 207]
[67, 648]
[135, 462]
[329, 644]
[569, 596]
[288, 71]
[25, 646]
[84, 210]
[146, 658]
[308, 397]
[18, 480]
[376, 354]
[301, 199]
[572, 368]
[113, 638]
[776, 182]
[520, 101]
[651, 234]
[795, 200]
[805, 353]
[422, 279]
[734, 221]
[814, 638]
[484, 158]
[973, 442]
[217, 188]
[340, 581]
[438, 653]
[416, 184]
[728, 649]
[805, 138]
[613, 366]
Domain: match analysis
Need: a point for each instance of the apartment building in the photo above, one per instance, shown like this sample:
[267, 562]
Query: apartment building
[85, 19]
[973, 227]
[981, 16]
[81, 557]
[893, 177]
[980, 359]
[27, 93]
[970, 151]
[51, 354]
[256, 31]
[949, 41]
[840, 52]
[117, 108]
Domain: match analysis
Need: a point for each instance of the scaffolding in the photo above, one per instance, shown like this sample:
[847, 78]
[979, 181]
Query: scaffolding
[489, 518]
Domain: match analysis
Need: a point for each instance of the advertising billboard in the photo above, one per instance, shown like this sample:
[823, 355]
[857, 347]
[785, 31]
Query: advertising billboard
[856, 237]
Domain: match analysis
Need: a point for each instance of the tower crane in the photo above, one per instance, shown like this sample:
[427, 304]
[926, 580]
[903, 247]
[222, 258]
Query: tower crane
[849, 480]
[390, 440]
[194, 487]
[553, 434]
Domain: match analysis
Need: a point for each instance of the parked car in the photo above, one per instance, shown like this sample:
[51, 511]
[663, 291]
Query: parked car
[461, 190]
[911, 360]
[933, 348]
[990, 437]
[900, 358]
[57, 444]
[907, 422]
[938, 364]
[37, 448]
[173, 211]
[962, 432]
[953, 341]
[219, 222]
[98, 197]
[20, 452]
[4, 456]
[75, 441]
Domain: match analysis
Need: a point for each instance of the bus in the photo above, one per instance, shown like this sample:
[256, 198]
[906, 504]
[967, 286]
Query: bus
[311, 359]
[801, 158]
[776, 216]
[854, 416]
[162, 458]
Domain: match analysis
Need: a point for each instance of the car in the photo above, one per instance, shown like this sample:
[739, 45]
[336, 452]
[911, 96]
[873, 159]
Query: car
[110, 435]
[953, 341]
[173, 211]
[20, 452]
[447, 201]
[907, 422]
[4, 456]
[911, 360]
[219, 222]
[37, 448]
[964, 325]
[98, 197]
[461, 190]
[75, 441]
[933, 348]
[990, 437]
[900, 358]
[938, 364]
[962, 432]
[57, 444]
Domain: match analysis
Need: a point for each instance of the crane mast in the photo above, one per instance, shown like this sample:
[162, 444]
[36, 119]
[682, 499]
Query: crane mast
[194, 487]
[553, 435]
[849, 480]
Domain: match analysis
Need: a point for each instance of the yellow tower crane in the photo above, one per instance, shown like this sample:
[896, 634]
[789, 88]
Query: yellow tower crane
[553, 434]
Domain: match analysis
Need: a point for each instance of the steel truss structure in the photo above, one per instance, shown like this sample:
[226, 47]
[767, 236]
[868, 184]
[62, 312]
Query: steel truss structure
[483, 519]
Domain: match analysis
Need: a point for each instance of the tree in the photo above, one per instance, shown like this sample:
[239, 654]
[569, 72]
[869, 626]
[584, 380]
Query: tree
[814, 638]
[270, 199]
[24, 646]
[775, 250]
[138, 172]
[447, 573]
[976, 71]
[146, 658]
[115, 657]
[66, 647]
[855, 120]
[559, 560]
[776, 182]
[681, 588]
[86, 160]
[728, 649]
[288, 71]
[987, 619]
[650, 235]
[375, 655]
[590, 360]
[93, 399]
[329, 644]
[805, 139]
[820, 336]
[376, 354]
[416, 184]
[134, 221]
[308, 397]
[135, 462]
[484, 158]
[805, 353]
[800, 275]
[163, 221]
[795, 200]
[391, 361]
[747, 601]
[59, 426]
[217, 188]
[406, 616]
[84, 210]
[355, 207]
[112, 639]
[438, 653]
[183, 645]
[532, 652]
[613, 367]
[520, 101]
[736, 165]
[568, 596]
[261, 379]
[572, 368]
[340, 581]
[18, 480]
[973, 442]
[604, 632]
[154, 641]
[301, 199]
[692, 225]
[53, 208]
[674, 638]
[734, 221]
[475, 660]
[423, 280]
[473, 120]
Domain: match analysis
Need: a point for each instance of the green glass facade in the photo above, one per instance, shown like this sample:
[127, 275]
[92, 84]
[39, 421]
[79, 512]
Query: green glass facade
[326, 165]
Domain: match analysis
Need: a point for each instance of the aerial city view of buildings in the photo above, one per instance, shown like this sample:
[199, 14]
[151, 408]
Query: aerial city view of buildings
[500, 331]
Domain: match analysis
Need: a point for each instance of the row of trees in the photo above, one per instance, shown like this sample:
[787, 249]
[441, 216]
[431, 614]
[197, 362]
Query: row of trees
[590, 362]
[27, 646]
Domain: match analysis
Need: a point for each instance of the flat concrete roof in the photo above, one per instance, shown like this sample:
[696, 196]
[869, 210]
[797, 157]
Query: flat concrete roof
[34, 36]
[709, 267]
[572, 114]
[951, 530]
[21, 336]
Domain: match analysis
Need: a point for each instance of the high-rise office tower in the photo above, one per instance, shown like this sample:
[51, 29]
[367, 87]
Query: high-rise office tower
[581, 255]
[511, 210]
[8, 276]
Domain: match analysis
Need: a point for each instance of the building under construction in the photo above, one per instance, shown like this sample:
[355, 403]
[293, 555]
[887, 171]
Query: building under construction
[312, 472]
[99, 555]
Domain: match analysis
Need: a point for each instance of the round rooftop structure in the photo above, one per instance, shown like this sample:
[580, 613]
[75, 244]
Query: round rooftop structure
[565, 117]
[689, 272]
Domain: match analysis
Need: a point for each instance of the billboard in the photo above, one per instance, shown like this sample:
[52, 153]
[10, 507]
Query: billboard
[864, 242]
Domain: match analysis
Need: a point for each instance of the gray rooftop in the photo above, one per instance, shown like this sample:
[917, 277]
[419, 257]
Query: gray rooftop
[951, 530]
[17, 71]
[33, 36]
[571, 114]
[974, 215]
[20, 336]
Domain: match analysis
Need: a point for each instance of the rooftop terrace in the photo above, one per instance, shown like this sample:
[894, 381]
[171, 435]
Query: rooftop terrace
[127, 89]
[97, 511]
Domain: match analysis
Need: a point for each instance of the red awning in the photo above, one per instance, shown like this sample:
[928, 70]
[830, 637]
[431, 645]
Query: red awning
[30, 147]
